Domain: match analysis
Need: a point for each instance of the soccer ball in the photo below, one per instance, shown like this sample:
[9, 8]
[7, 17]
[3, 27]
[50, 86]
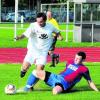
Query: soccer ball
[10, 89]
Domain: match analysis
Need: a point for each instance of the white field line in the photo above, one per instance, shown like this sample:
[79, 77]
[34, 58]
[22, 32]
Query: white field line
[19, 28]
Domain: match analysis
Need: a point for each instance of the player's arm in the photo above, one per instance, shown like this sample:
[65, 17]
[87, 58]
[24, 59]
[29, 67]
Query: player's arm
[27, 33]
[58, 36]
[20, 37]
[92, 85]
[90, 82]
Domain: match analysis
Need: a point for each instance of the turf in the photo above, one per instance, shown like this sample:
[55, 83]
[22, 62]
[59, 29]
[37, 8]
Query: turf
[7, 37]
[9, 73]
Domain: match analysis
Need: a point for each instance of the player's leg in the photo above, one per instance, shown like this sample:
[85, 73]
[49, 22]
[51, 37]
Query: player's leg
[57, 58]
[39, 74]
[52, 58]
[28, 61]
[51, 51]
[24, 68]
[57, 89]
[32, 79]
[53, 80]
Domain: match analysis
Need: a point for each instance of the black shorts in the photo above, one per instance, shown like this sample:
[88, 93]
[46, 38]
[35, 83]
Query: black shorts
[47, 76]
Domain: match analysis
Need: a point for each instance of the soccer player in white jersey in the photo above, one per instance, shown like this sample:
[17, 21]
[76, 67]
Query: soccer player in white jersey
[40, 38]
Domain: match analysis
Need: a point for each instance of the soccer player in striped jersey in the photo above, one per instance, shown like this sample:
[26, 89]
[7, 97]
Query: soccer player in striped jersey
[68, 78]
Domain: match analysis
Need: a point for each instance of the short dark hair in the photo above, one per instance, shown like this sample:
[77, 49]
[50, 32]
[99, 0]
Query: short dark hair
[43, 15]
[81, 53]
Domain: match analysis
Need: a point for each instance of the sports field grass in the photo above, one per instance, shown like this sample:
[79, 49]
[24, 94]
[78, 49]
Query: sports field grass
[9, 73]
[7, 37]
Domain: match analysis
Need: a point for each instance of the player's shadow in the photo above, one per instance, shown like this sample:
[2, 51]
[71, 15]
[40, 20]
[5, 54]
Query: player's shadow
[98, 86]
[73, 90]
[21, 93]
[43, 89]
[81, 88]
[25, 93]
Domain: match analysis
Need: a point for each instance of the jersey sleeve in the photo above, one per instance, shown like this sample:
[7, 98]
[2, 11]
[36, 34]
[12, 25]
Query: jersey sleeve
[55, 30]
[29, 31]
[86, 75]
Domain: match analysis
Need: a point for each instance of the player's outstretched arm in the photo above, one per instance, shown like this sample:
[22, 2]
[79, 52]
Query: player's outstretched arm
[20, 37]
[92, 85]
[60, 37]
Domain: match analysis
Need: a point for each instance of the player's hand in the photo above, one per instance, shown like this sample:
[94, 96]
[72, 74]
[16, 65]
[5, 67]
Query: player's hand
[20, 37]
[60, 38]
[22, 74]
[16, 38]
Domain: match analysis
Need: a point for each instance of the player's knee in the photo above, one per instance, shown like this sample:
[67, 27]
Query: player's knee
[55, 92]
[34, 72]
[40, 67]
[39, 74]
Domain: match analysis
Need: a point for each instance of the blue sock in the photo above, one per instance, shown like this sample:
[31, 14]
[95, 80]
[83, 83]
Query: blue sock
[31, 81]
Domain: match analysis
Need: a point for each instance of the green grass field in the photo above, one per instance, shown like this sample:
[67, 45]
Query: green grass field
[9, 73]
[7, 37]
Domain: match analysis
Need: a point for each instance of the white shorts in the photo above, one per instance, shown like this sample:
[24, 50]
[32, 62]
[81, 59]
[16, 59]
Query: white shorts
[38, 58]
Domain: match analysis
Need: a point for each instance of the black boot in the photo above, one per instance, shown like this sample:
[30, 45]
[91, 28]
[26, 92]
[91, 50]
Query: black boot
[22, 74]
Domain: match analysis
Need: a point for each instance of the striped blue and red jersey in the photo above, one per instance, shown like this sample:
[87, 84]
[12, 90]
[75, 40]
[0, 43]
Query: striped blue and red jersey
[73, 73]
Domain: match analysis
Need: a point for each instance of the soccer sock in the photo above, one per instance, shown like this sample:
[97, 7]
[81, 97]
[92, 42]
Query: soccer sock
[52, 57]
[22, 74]
[57, 58]
[32, 80]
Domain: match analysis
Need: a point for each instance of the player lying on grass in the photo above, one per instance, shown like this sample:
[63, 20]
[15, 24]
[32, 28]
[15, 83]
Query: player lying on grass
[64, 81]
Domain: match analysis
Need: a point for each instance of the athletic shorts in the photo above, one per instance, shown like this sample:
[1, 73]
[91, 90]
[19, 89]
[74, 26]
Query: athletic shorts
[38, 58]
[53, 80]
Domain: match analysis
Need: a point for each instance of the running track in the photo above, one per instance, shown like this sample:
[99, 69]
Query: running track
[16, 55]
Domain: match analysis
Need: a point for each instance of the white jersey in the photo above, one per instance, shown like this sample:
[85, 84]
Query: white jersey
[40, 38]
